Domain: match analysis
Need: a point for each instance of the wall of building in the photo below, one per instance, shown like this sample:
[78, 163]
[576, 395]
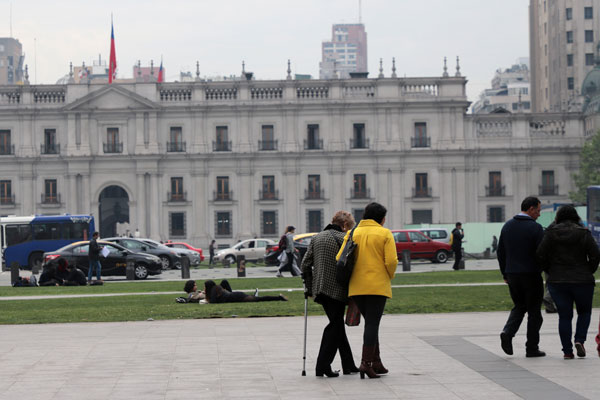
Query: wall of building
[460, 151]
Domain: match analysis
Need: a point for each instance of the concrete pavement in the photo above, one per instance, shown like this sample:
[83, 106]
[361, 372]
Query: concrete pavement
[435, 356]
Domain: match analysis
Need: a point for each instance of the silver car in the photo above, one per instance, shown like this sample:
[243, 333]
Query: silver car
[251, 249]
[191, 255]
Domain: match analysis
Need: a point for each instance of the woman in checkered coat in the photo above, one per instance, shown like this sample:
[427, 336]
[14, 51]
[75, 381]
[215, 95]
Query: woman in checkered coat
[318, 270]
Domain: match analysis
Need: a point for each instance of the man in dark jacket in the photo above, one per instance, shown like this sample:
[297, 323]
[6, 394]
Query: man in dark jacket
[518, 243]
[457, 237]
[94, 258]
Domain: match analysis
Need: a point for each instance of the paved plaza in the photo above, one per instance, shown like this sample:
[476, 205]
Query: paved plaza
[432, 356]
[441, 356]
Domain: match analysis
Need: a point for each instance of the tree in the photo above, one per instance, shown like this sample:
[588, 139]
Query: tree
[589, 169]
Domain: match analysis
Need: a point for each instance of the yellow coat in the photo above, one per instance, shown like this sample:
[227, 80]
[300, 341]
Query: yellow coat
[376, 260]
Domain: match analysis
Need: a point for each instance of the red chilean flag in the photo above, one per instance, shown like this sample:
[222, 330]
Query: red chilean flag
[112, 63]
[160, 72]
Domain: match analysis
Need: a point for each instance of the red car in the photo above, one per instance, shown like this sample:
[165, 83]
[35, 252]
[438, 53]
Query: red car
[421, 246]
[182, 245]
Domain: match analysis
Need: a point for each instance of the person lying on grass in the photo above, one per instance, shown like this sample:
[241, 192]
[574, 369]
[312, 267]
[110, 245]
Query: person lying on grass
[224, 294]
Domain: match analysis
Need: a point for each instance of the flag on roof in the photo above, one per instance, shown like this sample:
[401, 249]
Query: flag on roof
[160, 72]
[112, 63]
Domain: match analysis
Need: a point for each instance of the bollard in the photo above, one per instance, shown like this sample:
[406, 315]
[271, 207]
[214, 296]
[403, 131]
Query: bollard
[405, 260]
[130, 270]
[14, 272]
[241, 267]
[185, 267]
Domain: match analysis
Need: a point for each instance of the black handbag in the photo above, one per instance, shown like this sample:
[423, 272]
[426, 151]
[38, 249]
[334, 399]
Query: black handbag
[345, 264]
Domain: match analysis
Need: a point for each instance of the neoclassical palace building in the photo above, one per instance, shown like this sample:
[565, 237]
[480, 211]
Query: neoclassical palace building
[238, 159]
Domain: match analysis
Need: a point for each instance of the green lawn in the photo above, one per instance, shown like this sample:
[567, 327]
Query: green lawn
[142, 307]
[248, 284]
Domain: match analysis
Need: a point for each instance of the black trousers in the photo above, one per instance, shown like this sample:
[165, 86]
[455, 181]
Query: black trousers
[527, 292]
[334, 336]
[457, 257]
[371, 308]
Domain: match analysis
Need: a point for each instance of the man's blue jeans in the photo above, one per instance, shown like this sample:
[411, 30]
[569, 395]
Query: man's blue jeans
[564, 295]
[94, 263]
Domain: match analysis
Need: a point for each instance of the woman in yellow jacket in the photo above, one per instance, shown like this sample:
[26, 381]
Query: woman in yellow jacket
[370, 285]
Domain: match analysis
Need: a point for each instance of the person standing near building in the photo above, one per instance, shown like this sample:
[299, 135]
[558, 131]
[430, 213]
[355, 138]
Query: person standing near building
[519, 240]
[94, 258]
[318, 271]
[457, 237]
[211, 251]
[287, 240]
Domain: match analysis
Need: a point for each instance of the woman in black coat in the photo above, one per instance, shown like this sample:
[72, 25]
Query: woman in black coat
[318, 270]
[570, 256]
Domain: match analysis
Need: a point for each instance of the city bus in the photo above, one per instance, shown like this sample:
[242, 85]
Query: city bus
[25, 239]
[593, 211]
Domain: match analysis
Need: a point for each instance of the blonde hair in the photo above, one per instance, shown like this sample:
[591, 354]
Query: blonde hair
[343, 219]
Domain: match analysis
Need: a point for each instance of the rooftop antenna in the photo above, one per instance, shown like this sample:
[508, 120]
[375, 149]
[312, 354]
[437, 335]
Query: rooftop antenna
[360, 11]
[10, 19]
[35, 59]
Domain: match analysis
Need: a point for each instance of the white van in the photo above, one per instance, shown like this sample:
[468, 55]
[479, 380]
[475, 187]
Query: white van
[437, 234]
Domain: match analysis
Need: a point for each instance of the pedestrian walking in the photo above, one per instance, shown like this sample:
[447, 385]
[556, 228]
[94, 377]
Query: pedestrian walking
[457, 237]
[494, 244]
[288, 253]
[318, 270]
[370, 285]
[570, 256]
[94, 258]
[519, 240]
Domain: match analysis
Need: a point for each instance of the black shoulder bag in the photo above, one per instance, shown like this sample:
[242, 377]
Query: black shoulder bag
[345, 265]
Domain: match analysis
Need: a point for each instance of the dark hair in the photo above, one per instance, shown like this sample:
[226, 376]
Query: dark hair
[189, 286]
[529, 202]
[458, 224]
[289, 229]
[375, 211]
[95, 234]
[208, 286]
[62, 263]
[567, 213]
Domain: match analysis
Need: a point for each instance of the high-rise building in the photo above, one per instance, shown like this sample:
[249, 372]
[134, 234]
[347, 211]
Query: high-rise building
[563, 34]
[11, 61]
[509, 91]
[345, 53]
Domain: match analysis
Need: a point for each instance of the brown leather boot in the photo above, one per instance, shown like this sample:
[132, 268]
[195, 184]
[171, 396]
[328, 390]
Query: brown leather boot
[366, 365]
[377, 365]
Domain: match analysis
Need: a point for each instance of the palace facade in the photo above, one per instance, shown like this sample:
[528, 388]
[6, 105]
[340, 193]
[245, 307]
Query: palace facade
[238, 159]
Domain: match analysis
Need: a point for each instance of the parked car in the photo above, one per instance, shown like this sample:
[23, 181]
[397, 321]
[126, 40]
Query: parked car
[301, 242]
[438, 234]
[114, 264]
[252, 249]
[192, 256]
[420, 246]
[168, 257]
[183, 245]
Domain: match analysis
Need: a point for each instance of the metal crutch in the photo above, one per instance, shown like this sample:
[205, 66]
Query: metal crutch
[305, 326]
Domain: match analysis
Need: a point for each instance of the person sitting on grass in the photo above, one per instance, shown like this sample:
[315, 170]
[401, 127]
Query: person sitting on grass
[50, 277]
[75, 276]
[224, 294]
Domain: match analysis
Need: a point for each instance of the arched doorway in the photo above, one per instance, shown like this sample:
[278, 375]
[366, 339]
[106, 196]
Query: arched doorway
[113, 208]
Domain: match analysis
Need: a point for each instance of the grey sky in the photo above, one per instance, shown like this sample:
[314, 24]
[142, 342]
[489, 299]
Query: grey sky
[486, 34]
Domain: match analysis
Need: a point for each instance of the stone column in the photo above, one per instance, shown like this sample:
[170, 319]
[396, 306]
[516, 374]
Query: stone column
[141, 206]
[153, 133]
[71, 145]
[140, 147]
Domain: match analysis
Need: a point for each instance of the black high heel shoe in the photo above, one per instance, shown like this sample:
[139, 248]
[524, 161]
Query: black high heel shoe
[350, 371]
[328, 373]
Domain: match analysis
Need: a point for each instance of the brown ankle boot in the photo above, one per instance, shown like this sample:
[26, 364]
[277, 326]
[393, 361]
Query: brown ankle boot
[366, 365]
[377, 365]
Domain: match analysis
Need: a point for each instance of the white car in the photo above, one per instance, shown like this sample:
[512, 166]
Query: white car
[437, 234]
[251, 249]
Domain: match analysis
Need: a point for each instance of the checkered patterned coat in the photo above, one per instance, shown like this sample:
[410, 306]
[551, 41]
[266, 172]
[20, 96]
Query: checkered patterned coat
[318, 265]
